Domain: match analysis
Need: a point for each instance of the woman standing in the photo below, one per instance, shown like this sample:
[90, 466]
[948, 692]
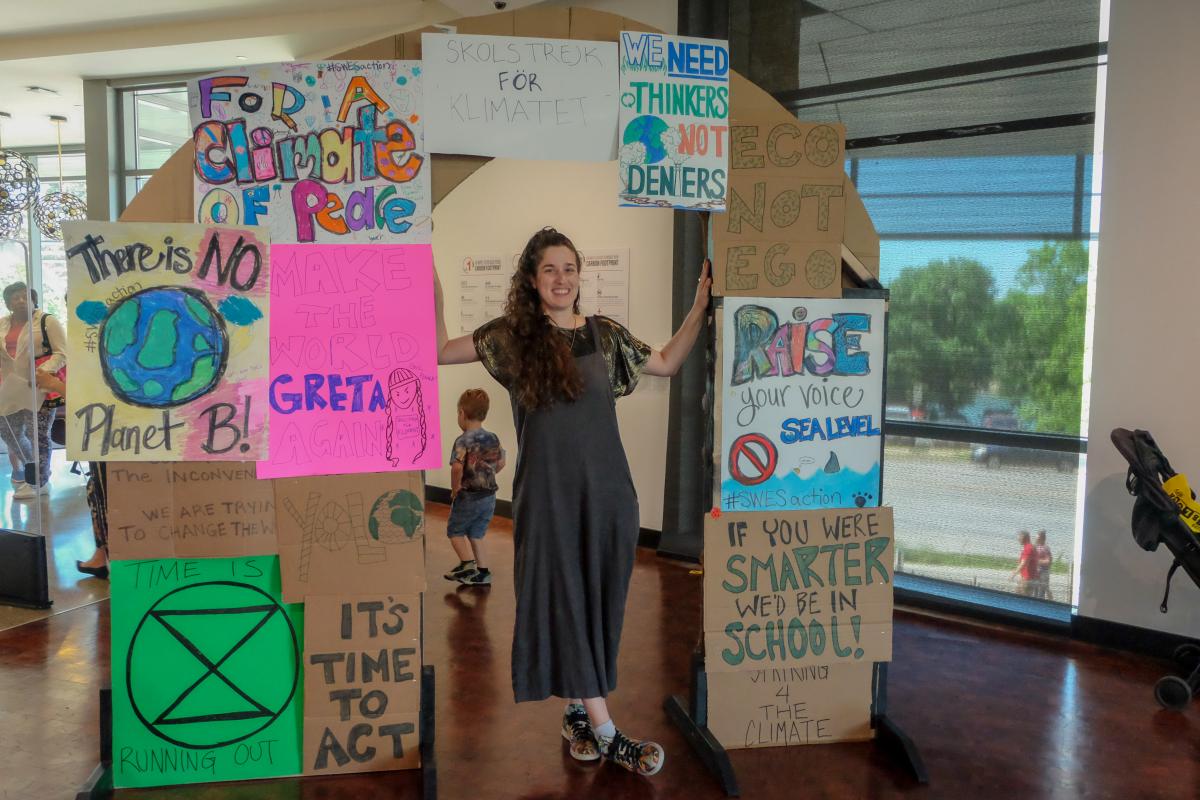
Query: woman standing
[26, 327]
[575, 512]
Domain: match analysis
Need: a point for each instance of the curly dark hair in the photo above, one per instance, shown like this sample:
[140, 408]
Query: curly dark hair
[545, 368]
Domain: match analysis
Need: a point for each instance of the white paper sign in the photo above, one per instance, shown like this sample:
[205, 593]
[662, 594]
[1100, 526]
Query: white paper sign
[327, 152]
[802, 403]
[674, 121]
[517, 97]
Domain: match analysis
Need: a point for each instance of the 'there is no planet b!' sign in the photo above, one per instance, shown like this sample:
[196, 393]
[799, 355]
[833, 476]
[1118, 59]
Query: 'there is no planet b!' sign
[674, 124]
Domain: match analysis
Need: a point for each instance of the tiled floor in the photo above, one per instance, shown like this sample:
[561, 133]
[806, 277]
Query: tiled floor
[996, 714]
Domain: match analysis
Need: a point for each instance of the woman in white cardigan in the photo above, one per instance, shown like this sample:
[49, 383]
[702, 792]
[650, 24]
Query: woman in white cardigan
[23, 411]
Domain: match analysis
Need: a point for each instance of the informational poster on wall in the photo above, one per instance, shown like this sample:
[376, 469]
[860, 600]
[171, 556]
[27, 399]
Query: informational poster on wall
[189, 509]
[321, 151]
[793, 588]
[801, 403]
[353, 361]
[362, 683]
[483, 284]
[674, 123]
[789, 706]
[519, 97]
[365, 531]
[206, 672]
[604, 284]
[781, 235]
[167, 341]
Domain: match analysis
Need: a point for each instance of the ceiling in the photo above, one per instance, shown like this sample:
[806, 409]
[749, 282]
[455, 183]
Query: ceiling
[56, 44]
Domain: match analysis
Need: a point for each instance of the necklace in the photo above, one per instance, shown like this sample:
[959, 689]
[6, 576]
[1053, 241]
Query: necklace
[574, 330]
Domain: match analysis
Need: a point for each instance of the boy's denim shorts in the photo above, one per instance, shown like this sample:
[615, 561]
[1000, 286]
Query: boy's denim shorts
[470, 514]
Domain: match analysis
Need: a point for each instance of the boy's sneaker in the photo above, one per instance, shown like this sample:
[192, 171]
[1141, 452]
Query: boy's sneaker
[644, 758]
[577, 729]
[476, 577]
[463, 568]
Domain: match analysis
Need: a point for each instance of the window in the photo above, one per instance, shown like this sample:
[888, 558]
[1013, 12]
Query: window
[970, 139]
[154, 124]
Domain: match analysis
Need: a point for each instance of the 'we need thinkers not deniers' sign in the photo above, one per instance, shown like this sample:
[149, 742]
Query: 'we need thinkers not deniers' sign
[674, 123]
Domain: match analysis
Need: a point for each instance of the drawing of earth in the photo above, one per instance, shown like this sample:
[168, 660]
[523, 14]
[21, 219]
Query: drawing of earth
[648, 130]
[395, 517]
[163, 347]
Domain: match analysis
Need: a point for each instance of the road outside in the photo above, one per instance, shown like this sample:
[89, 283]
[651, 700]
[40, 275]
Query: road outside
[958, 520]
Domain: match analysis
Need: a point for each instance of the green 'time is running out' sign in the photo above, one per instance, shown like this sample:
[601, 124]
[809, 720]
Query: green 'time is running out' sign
[206, 672]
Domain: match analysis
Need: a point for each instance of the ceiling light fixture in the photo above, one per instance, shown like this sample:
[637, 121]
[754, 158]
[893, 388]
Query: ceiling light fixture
[19, 182]
[55, 208]
[41, 90]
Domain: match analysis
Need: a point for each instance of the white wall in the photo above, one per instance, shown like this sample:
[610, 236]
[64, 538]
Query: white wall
[1146, 341]
[495, 211]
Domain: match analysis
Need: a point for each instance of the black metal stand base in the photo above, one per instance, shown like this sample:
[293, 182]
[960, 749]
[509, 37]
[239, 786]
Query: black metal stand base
[704, 744]
[899, 747]
[428, 758]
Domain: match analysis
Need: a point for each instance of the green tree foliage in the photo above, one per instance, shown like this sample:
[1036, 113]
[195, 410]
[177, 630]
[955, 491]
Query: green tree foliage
[1040, 363]
[940, 335]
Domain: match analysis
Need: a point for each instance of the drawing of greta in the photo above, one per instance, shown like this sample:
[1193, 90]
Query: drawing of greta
[406, 416]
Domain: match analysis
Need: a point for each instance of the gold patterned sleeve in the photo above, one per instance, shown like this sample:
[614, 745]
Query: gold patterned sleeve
[625, 354]
[491, 343]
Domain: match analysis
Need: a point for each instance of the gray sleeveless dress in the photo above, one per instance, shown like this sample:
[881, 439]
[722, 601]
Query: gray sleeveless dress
[575, 522]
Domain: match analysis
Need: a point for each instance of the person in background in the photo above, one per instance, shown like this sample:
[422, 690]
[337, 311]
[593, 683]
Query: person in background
[26, 327]
[575, 510]
[1045, 559]
[474, 461]
[1027, 567]
[97, 498]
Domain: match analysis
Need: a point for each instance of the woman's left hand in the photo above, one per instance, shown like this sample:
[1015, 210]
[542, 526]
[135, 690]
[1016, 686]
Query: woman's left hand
[703, 287]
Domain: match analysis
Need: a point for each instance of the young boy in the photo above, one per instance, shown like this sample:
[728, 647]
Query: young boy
[474, 461]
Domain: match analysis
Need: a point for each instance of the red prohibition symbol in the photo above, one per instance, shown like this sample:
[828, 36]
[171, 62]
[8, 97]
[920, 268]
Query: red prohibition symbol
[752, 459]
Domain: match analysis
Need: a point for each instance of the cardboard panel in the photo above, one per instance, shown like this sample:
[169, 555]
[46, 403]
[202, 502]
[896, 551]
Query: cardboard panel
[165, 341]
[798, 588]
[860, 237]
[206, 672]
[167, 196]
[597, 26]
[388, 47]
[777, 269]
[769, 146]
[502, 24]
[814, 704]
[362, 683]
[365, 531]
[550, 23]
[782, 208]
[190, 509]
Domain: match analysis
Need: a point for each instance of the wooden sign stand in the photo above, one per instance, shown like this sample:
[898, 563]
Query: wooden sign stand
[690, 716]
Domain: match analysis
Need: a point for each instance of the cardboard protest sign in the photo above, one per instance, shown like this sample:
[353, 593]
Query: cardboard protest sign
[782, 707]
[353, 361]
[786, 204]
[674, 122]
[801, 403]
[787, 588]
[519, 97]
[192, 509]
[167, 342]
[362, 683]
[336, 531]
[323, 151]
[205, 672]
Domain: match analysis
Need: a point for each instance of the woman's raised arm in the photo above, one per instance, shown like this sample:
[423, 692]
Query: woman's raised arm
[667, 362]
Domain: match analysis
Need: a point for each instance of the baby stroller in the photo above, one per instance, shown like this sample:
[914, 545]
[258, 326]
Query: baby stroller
[1156, 520]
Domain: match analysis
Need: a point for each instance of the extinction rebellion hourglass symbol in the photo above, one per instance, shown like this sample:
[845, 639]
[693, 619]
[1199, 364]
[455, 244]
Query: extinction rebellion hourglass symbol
[211, 664]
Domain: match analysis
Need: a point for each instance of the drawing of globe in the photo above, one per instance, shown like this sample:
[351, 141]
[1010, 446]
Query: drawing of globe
[648, 130]
[163, 347]
[395, 517]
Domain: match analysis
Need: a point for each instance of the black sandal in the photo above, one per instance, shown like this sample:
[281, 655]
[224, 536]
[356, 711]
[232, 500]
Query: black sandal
[96, 572]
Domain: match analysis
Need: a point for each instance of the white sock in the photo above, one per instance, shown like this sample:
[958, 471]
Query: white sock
[605, 732]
